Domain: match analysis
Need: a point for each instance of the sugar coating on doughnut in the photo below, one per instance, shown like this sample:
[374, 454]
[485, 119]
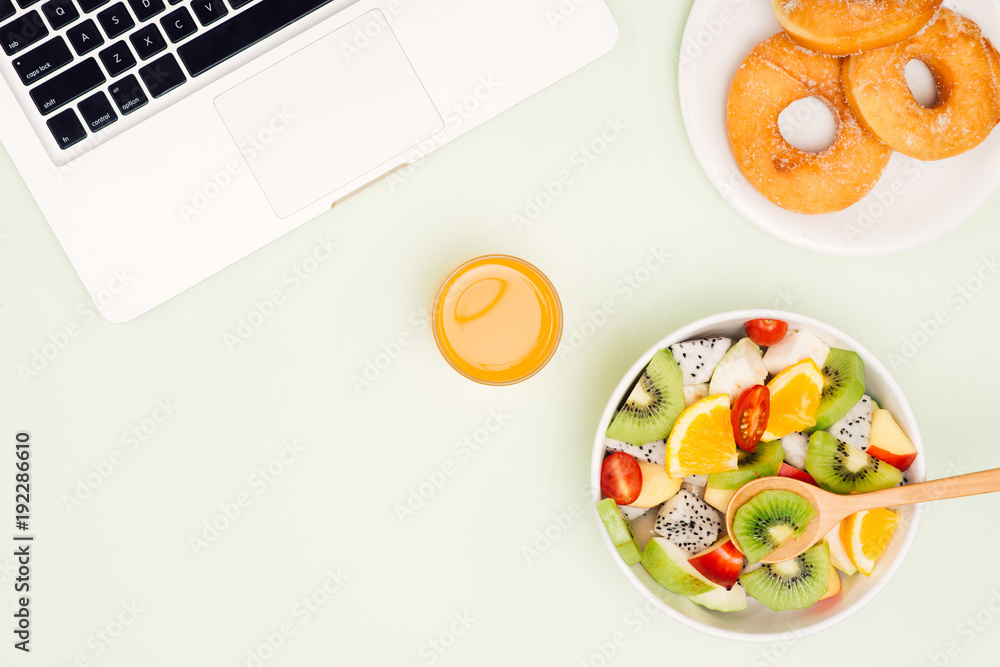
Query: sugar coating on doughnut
[845, 27]
[776, 74]
[995, 69]
[966, 68]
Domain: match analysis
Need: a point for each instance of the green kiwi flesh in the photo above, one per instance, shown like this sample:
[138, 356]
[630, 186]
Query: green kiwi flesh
[653, 405]
[843, 387]
[792, 584]
[764, 461]
[841, 468]
[769, 520]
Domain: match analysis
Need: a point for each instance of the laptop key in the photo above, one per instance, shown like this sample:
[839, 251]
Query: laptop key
[60, 13]
[116, 20]
[163, 75]
[128, 95]
[117, 58]
[178, 25]
[22, 32]
[239, 3]
[27, 3]
[146, 9]
[243, 30]
[6, 9]
[97, 111]
[67, 86]
[66, 129]
[147, 41]
[85, 37]
[209, 11]
[90, 5]
[37, 64]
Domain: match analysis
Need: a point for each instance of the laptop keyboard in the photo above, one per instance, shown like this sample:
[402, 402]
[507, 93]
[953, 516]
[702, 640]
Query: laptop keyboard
[87, 63]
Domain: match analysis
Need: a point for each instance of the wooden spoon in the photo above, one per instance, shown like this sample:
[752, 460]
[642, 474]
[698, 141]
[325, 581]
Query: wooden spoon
[831, 508]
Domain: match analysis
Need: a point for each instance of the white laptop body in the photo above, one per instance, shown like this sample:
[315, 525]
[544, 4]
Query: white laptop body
[193, 181]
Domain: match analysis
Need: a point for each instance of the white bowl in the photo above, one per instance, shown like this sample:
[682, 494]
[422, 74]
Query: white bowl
[758, 623]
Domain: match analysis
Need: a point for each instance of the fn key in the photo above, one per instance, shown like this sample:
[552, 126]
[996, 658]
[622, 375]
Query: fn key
[66, 128]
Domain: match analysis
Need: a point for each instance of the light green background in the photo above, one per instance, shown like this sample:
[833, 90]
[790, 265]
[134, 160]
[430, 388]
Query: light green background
[334, 506]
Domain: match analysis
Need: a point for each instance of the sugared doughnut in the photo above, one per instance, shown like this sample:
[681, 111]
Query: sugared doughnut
[963, 63]
[843, 27]
[774, 75]
[995, 67]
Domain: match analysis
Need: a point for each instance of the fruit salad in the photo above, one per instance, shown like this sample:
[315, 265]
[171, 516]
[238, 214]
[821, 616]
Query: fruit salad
[707, 416]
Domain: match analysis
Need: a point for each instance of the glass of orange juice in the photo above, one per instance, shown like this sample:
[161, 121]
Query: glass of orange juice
[497, 319]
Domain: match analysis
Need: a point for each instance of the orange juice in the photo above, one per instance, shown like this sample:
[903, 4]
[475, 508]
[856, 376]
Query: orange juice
[497, 319]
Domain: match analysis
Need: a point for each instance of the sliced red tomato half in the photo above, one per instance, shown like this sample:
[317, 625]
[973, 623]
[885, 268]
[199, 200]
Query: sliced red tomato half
[621, 478]
[749, 415]
[766, 332]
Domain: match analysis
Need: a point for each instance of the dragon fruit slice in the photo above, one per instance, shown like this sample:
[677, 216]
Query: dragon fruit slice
[855, 428]
[695, 485]
[696, 480]
[632, 513]
[688, 522]
[694, 393]
[796, 446]
[698, 358]
[653, 452]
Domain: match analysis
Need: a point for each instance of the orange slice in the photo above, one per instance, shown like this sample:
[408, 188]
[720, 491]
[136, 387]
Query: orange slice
[701, 440]
[795, 394]
[866, 536]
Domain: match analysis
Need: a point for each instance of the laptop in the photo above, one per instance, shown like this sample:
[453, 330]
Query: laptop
[166, 139]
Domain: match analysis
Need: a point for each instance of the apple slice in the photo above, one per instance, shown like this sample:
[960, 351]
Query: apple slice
[794, 473]
[835, 584]
[657, 485]
[719, 498]
[838, 554]
[620, 531]
[721, 563]
[722, 599]
[888, 442]
[667, 564]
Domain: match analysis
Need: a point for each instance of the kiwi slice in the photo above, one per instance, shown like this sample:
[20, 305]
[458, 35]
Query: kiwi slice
[765, 461]
[843, 387]
[791, 584]
[654, 404]
[844, 469]
[769, 520]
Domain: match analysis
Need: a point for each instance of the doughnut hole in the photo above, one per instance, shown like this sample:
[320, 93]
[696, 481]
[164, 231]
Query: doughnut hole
[808, 124]
[923, 84]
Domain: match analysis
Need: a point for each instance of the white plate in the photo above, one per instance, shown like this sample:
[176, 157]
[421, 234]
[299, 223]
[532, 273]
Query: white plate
[914, 202]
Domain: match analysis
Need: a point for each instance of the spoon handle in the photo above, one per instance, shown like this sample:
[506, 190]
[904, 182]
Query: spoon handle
[987, 481]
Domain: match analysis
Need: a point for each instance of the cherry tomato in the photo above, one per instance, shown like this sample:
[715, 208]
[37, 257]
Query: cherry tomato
[766, 332]
[621, 478]
[749, 415]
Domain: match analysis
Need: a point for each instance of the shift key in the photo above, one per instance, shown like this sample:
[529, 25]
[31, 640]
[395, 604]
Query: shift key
[67, 86]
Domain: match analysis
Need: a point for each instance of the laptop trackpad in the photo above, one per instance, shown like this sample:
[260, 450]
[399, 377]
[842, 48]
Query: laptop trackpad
[329, 113]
